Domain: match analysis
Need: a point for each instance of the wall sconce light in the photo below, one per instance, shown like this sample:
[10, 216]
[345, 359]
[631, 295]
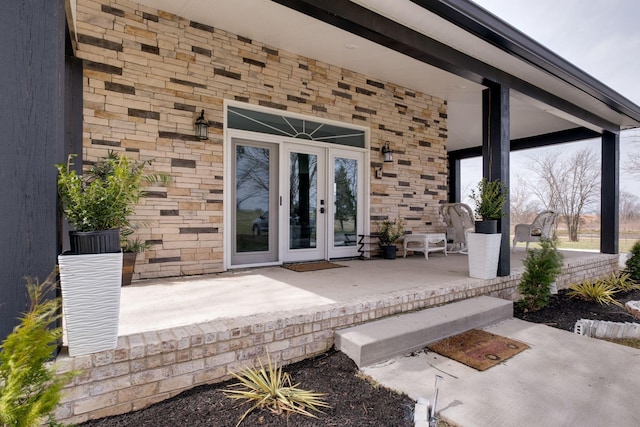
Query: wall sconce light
[387, 153]
[202, 127]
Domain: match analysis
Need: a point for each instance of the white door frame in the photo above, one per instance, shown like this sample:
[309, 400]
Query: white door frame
[230, 134]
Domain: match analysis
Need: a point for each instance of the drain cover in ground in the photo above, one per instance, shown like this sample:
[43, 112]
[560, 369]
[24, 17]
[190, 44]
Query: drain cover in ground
[478, 349]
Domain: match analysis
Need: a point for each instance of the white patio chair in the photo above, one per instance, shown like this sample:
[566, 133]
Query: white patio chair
[459, 219]
[541, 227]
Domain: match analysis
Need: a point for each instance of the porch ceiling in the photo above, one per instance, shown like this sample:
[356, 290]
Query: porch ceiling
[538, 70]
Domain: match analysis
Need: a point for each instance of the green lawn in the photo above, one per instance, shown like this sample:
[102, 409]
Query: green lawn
[592, 243]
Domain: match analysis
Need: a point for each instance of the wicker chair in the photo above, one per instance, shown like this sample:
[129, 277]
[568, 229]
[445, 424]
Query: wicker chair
[541, 227]
[459, 219]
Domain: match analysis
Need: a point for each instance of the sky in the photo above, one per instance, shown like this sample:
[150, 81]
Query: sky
[601, 37]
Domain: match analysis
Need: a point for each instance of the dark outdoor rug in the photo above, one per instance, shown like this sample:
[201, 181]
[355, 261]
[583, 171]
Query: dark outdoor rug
[478, 349]
[302, 267]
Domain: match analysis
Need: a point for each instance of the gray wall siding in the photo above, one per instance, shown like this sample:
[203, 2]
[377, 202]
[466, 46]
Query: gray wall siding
[31, 141]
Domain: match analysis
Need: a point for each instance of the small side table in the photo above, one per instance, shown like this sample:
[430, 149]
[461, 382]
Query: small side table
[428, 242]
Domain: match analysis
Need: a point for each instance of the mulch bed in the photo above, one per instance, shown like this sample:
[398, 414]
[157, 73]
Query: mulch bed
[563, 311]
[354, 401]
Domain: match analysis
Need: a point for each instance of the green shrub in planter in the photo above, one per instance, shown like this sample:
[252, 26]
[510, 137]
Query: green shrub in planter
[541, 268]
[390, 231]
[102, 199]
[388, 234]
[490, 197]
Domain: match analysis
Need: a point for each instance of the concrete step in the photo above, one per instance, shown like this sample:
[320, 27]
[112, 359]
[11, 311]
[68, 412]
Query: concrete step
[386, 338]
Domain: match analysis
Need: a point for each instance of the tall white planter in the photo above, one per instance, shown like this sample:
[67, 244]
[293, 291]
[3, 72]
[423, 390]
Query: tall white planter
[91, 286]
[484, 254]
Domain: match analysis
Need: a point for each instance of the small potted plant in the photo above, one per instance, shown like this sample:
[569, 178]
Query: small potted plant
[490, 198]
[131, 247]
[388, 234]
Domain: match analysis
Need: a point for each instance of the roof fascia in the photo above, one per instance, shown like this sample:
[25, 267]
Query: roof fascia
[553, 138]
[488, 27]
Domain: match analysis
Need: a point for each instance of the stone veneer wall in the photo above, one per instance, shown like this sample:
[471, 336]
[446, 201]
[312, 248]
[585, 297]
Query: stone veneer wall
[147, 75]
[153, 366]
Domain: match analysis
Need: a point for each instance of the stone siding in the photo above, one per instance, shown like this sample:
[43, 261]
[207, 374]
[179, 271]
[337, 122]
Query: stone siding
[147, 76]
[153, 366]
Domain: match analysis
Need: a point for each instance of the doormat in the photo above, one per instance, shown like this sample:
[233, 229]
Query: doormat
[478, 349]
[311, 266]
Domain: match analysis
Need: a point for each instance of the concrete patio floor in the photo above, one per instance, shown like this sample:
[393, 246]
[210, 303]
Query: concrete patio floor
[150, 305]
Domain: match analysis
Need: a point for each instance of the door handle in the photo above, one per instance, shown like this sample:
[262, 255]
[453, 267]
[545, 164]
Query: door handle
[321, 210]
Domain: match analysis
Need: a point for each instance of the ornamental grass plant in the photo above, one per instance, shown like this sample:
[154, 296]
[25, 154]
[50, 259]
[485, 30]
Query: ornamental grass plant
[599, 291]
[268, 387]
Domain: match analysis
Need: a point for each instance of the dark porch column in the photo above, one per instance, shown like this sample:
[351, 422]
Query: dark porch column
[495, 155]
[609, 199]
[455, 191]
[32, 81]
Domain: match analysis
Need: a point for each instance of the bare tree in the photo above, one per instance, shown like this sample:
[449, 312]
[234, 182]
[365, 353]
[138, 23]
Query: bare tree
[522, 207]
[631, 164]
[628, 206]
[568, 185]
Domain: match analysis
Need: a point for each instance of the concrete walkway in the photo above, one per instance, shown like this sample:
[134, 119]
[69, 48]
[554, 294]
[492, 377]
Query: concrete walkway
[563, 380]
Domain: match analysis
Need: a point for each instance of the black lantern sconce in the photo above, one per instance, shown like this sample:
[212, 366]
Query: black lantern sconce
[202, 127]
[387, 153]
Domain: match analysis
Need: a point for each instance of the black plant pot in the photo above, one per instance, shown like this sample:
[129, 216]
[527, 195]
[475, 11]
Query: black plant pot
[389, 252]
[95, 242]
[488, 226]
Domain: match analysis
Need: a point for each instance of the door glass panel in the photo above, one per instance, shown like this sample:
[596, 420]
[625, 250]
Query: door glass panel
[252, 199]
[345, 199]
[303, 188]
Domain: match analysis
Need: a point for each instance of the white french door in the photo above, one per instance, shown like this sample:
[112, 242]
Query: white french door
[305, 203]
[294, 202]
[347, 208]
[254, 208]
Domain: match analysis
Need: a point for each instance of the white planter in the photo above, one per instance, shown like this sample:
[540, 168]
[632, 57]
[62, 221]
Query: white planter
[91, 286]
[484, 254]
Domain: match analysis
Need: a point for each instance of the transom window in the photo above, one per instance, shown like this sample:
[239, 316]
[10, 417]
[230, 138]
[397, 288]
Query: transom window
[276, 124]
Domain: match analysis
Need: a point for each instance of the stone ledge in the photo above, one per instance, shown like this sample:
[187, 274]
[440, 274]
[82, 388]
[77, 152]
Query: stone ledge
[633, 307]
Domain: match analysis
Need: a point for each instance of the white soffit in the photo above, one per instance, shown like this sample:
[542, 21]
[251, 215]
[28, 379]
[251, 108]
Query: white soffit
[303, 35]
